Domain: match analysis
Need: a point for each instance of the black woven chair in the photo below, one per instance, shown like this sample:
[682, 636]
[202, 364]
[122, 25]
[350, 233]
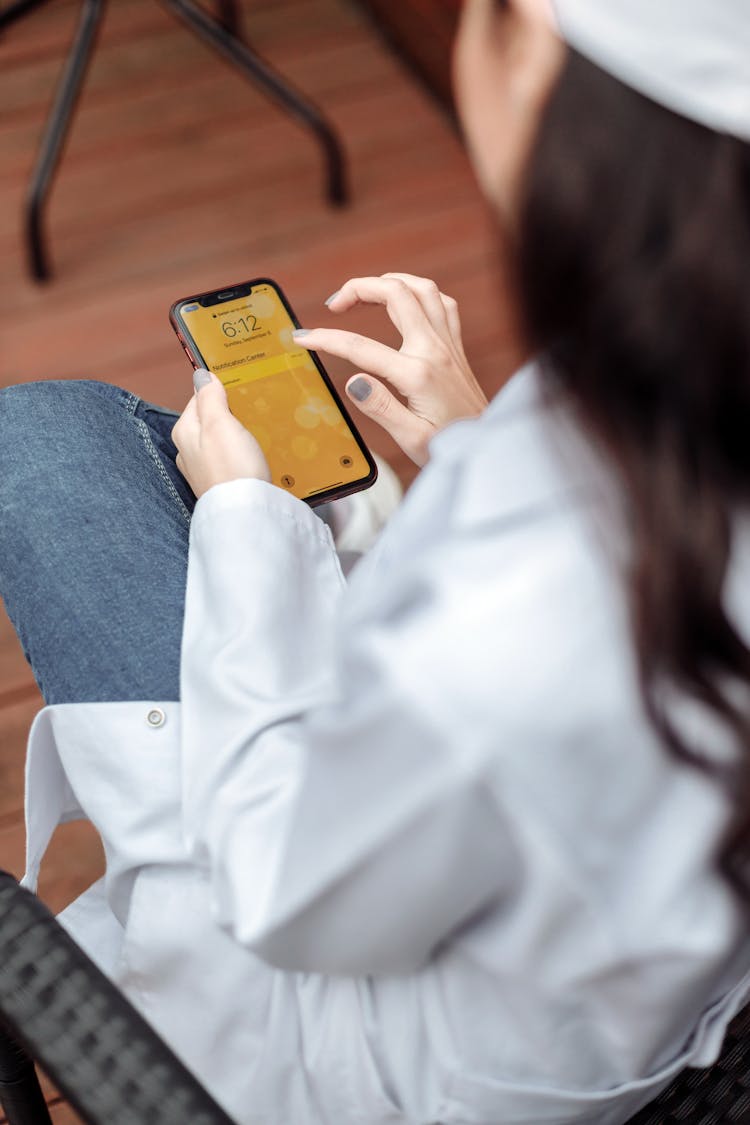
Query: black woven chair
[58, 1008]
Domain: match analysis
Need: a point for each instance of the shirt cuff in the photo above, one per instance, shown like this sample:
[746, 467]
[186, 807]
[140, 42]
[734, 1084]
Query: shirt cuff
[248, 494]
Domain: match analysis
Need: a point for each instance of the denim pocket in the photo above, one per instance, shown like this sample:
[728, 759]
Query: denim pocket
[155, 424]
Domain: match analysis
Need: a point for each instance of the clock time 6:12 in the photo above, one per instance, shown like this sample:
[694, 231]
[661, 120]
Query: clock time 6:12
[247, 324]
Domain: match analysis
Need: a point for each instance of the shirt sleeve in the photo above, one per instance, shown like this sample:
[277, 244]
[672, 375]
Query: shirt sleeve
[322, 789]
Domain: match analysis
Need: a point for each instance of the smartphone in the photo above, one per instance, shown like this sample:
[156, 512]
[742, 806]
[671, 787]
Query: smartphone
[278, 390]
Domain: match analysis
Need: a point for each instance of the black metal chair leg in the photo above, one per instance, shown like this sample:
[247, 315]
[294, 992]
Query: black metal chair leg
[277, 88]
[20, 1093]
[228, 15]
[14, 11]
[56, 132]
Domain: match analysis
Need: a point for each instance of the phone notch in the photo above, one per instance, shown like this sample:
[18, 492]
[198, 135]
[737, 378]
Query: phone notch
[219, 296]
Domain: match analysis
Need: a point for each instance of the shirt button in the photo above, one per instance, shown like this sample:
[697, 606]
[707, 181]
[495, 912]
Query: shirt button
[156, 717]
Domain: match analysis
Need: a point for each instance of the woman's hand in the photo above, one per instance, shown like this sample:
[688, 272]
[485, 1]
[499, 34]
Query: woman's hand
[429, 370]
[214, 446]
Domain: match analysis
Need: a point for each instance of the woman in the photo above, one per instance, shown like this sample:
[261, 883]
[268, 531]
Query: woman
[463, 839]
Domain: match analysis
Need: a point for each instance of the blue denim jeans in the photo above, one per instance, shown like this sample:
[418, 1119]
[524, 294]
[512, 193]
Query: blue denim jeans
[94, 522]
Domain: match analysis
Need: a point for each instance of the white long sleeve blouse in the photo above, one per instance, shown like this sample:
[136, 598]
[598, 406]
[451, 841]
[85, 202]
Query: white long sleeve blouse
[408, 849]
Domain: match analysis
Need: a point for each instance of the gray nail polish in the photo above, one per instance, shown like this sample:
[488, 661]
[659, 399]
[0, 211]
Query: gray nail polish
[200, 378]
[359, 389]
[332, 297]
[299, 333]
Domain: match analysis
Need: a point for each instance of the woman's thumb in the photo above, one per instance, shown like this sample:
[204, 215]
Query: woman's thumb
[372, 397]
[211, 397]
[375, 400]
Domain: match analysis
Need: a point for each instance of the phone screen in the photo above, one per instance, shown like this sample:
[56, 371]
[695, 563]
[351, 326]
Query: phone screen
[275, 388]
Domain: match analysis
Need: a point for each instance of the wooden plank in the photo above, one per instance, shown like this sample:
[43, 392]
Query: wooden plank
[63, 1114]
[73, 862]
[129, 56]
[15, 673]
[421, 30]
[16, 721]
[266, 24]
[74, 858]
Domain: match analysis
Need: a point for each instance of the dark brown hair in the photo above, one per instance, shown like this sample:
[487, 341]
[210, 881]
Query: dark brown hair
[634, 268]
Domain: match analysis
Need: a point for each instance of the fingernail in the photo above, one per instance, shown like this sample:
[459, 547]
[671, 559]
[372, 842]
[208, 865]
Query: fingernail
[200, 378]
[359, 389]
[299, 333]
[332, 297]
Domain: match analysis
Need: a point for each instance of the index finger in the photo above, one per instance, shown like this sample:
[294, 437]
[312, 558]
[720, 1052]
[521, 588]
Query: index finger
[402, 306]
[370, 356]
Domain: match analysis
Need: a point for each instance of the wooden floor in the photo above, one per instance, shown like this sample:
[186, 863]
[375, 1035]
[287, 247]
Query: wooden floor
[180, 176]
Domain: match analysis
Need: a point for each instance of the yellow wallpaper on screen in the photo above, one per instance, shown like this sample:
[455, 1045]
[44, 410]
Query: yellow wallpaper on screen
[276, 390]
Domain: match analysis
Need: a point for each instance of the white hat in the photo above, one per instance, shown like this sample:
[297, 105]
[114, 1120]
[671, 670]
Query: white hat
[692, 56]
